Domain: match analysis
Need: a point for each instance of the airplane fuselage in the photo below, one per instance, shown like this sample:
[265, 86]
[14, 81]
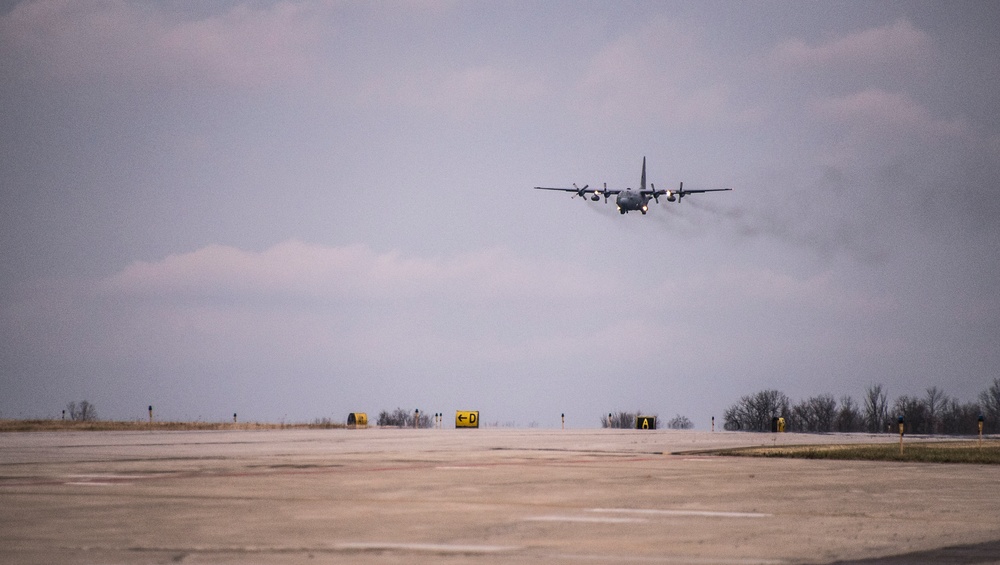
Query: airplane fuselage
[630, 200]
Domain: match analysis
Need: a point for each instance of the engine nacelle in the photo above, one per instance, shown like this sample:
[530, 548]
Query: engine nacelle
[671, 197]
[595, 198]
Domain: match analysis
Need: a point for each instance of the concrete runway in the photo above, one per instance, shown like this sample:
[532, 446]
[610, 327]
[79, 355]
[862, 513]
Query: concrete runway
[477, 496]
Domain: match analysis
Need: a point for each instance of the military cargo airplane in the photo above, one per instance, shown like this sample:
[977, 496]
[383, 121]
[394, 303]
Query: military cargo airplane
[629, 200]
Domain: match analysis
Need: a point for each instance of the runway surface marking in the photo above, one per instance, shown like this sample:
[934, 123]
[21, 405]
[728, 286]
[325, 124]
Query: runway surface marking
[107, 476]
[663, 559]
[428, 547]
[663, 512]
[108, 479]
[586, 519]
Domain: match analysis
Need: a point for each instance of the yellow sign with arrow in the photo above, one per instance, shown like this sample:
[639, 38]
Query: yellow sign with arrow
[466, 419]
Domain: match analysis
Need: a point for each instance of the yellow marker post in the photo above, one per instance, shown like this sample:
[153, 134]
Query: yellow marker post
[901, 424]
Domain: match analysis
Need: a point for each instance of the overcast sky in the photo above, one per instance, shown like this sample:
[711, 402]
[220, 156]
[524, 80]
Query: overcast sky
[295, 210]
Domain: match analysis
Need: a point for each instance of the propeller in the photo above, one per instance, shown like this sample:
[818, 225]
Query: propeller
[656, 197]
[581, 192]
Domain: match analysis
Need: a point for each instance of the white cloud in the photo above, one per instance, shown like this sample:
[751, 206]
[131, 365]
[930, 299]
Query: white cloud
[485, 306]
[458, 93]
[351, 304]
[662, 74]
[892, 43]
[139, 46]
[878, 111]
[295, 269]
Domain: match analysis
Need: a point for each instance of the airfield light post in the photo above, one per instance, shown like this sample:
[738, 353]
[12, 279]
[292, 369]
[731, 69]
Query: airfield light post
[64, 414]
[150, 413]
[564, 421]
[234, 417]
[713, 423]
[901, 426]
[981, 432]
[609, 419]
[416, 418]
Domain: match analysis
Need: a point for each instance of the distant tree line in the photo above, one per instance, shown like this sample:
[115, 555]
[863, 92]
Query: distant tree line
[403, 418]
[934, 413]
[679, 422]
[626, 420]
[81, 412]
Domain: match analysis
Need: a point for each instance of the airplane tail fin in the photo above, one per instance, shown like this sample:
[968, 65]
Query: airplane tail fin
[642, 183]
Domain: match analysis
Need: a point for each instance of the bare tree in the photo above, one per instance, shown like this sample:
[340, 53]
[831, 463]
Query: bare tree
[816, 414]
[934, 403]
[848, 417]
[989, 403]
[933, 413]
[619, 420]
[755, 412]
[914, 413]
[403, 419]
[959, 419]
[625, 420]
[876, 409]
[679, 422]
[82, 412]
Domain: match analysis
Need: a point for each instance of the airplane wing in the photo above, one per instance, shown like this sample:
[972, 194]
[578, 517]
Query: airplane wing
[677, 195]
[686, 192]
[584, 191]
